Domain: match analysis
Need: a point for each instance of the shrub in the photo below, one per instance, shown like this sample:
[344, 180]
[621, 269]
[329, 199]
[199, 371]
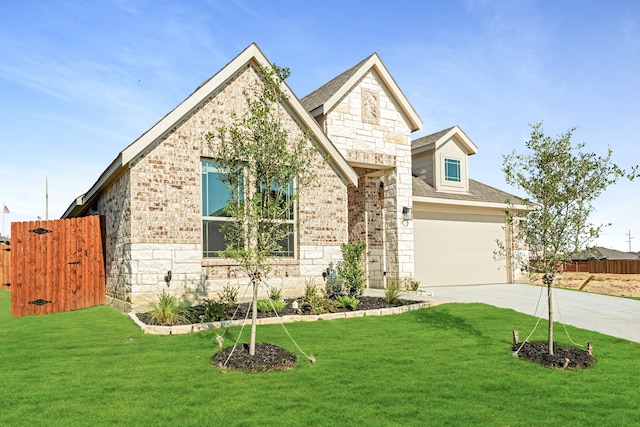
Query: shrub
[392, 293]
[351, 272]
[274, 302]
[275, 294]
[347, 301]
[314, 303]
[321, 304]
[228, 295]
[168, 311]
[411, 284]
[214, 311]
[333, 287]
[268, 305]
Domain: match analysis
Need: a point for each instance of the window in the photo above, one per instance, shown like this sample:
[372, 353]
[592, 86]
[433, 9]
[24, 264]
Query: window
[215, 196]
[285, 212]
[452, 170]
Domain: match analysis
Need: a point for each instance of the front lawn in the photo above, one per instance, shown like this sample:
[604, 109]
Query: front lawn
[447, 365]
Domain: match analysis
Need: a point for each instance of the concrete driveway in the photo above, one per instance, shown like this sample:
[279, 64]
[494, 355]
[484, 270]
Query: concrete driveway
[618, 317]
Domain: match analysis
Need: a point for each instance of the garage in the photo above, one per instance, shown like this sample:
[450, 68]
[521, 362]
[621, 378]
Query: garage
[457, 248]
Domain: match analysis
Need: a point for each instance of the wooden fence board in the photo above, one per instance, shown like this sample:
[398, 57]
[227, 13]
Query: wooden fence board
[5, 266]
[618, 266]
[60, 270]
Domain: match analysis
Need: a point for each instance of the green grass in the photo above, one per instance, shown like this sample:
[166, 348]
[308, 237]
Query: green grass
[449, 365]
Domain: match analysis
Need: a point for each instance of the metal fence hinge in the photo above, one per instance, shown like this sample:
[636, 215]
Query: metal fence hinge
[6, 284]
[39, 302]
[40, 230]
[74, 262]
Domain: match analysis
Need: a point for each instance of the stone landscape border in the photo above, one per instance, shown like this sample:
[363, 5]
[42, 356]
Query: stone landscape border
[197, 327]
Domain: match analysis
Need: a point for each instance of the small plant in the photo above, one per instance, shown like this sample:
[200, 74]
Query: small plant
[314, 303]
[168, 311]
[275, 294]
[228, 295]
[268, 305]
[344, 301]
[333, 286]
[351, 272]
[411, 284]
[321, 304]
[273, 303]
[392, 293]
[214, 311]
[310, 290]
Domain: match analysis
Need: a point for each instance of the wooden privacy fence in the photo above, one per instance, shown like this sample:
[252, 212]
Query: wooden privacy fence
[617, 266]
[56, 265]
[5, 265]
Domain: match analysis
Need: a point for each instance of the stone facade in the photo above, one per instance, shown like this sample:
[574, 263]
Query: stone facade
[369, 129]
[153, 202]
[154, 218]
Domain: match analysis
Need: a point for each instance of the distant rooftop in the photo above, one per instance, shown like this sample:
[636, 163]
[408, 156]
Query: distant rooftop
[602, 253]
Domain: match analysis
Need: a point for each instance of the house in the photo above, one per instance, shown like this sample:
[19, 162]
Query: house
[411, 202]
[601, 253]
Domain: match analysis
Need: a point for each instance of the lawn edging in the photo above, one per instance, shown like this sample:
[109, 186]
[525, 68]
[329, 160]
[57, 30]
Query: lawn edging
[197, 327]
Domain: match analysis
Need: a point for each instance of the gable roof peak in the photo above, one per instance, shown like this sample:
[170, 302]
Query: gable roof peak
[323, 99]
[321, 95]
[250, 55]
[430, 141]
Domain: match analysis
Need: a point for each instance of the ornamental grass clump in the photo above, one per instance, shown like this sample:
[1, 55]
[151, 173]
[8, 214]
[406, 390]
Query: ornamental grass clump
[168, 311]
[392, 293]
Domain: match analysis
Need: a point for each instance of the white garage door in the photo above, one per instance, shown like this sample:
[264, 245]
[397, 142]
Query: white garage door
[457, 249]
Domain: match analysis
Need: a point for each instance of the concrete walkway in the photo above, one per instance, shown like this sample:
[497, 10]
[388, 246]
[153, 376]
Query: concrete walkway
[618, 317]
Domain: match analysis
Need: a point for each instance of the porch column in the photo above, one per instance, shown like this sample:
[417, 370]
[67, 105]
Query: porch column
[398, 233]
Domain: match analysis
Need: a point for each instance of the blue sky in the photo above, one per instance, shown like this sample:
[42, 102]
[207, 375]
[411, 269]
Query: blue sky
[81, 80]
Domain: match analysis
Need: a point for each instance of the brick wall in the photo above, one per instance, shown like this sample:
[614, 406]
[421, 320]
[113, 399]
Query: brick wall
[154, 220]
[115, 205]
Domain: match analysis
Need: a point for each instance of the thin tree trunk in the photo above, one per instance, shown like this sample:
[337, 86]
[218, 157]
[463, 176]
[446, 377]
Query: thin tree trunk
[254, 317]
[550, 302]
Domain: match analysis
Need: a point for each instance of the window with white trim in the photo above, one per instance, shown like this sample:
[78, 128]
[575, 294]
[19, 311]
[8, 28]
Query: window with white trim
[286, 209]
[215, 196]
[452, 170]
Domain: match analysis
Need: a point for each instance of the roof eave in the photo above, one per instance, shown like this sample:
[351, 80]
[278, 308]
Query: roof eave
[157, 131]
[471, 147]
[470, 203]
[80, 203]
[251, 53]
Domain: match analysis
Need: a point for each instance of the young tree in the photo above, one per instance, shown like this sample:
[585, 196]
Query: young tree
[561, 182]
[264, 169]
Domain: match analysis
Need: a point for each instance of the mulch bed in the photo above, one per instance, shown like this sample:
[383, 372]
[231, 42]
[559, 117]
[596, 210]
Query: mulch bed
[539, 352]
[239, 311]
[268, 357]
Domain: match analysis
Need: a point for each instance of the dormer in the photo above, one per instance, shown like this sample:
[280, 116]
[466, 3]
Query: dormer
[441, 159]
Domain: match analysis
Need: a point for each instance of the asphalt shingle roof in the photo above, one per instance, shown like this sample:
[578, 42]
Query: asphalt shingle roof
[602, 253]
[478, 192]
[321, 95]
[429, 139]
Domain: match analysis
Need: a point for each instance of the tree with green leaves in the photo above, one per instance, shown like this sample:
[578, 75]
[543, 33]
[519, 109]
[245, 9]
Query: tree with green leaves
[561, 182]
[264, 169]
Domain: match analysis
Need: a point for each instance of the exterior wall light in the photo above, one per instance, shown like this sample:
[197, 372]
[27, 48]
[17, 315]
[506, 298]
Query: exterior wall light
[406, 215]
